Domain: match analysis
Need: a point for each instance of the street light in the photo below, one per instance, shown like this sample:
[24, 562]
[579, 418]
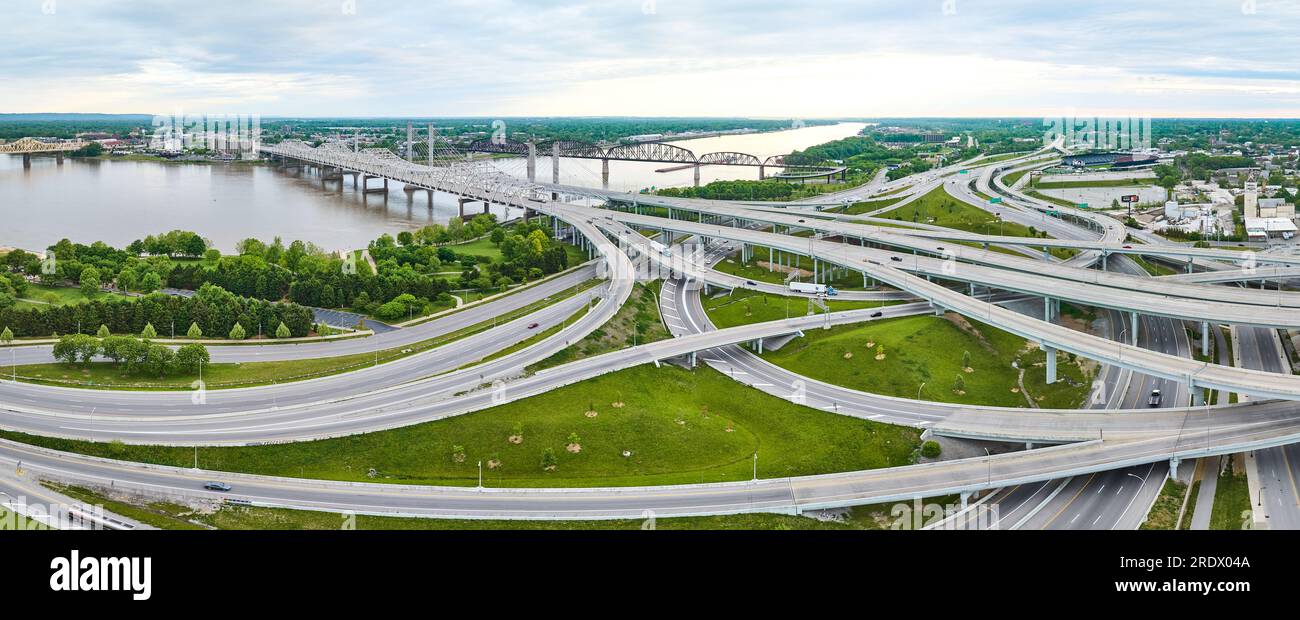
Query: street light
[989, 455]
[918, 390]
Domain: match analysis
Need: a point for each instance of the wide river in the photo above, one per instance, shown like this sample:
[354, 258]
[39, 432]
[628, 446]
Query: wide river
[120, 201]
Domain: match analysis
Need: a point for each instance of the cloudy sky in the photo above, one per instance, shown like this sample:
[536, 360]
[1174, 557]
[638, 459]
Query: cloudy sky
[765, 58]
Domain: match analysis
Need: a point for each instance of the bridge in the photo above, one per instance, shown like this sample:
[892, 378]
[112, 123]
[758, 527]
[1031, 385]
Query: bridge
[659, 152]
[27, 147]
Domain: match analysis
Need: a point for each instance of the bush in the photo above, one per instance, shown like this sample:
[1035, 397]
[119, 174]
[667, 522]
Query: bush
[931, 449]
[237, 332]
[195, 332]
[282, 331]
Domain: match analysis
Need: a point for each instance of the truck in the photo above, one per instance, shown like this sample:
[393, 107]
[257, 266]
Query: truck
[808, 288]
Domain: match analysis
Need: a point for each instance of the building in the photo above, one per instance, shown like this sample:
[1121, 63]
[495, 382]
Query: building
[1265, 228]
[1275, 207]
[1251, 208]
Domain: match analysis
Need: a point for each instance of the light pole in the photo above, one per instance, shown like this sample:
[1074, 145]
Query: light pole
[918, 390]
[480, 475]
[989, 455]
[755, 466]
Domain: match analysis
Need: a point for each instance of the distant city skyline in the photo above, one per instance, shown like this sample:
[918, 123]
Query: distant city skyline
[725, 58]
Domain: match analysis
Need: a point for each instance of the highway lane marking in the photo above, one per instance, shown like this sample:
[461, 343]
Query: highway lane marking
[1068, 503]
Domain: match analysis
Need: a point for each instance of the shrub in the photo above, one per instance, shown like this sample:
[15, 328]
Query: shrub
[931, 449]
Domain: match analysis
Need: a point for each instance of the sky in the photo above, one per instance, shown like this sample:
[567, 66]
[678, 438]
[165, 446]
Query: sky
[730, 58]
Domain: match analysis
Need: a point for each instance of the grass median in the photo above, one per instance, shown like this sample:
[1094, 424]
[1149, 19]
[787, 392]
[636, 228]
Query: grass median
[651, 426]
[923, 356]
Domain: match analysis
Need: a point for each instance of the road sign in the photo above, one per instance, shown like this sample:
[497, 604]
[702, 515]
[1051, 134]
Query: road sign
[996, 201]
[1130, 199]
[1083, 205]
[964, 172]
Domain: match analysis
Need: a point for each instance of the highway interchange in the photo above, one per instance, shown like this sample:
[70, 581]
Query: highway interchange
[1104, 475]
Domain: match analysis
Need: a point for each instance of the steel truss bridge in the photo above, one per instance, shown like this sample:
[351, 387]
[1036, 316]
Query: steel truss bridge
[27, 147]
[658, 152]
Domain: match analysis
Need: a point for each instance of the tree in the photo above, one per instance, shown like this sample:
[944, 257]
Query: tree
[498, 235]
[158, 360]
[282, 331]
[194, 332]
[6, 336]
[149, 332]
[90, 281]
[959, 385]
[191, 356]
[237, 332]
[76, 347]
[965, 360]
[574, 439]
[103, 332]
[931, 449]
[548, 459]
[150, 282]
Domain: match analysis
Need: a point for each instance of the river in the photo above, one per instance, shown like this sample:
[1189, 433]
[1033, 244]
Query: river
[118, 201]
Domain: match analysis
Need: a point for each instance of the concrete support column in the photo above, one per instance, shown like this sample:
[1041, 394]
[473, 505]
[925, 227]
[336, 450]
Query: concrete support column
[1173, 467]
[1205, 338]
[692, 359]
[697, 175]
[430, 145]
[762, 172]
[1047, 253]
[1133, 337]
[965, 499]
[759, 346]
[59, 158]
[1051, 364]
[604, 173]
[1104, 257]
[555, 168]
[27, 161]
[1047, 309]
[532, 162]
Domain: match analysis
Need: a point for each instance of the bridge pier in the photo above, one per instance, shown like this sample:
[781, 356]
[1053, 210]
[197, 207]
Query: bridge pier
[532, 162]
[604, 173]
[697, 175]
[59, 157]
[1133, 337]
[1051, 364]
[1173, 467]
[1104, 257]
[410, 193]
[365, 185]
[555, 168]
[27, 161]
[1205, 338]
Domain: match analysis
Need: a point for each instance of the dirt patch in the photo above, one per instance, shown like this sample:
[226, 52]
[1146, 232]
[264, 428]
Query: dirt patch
[515, 439]
[493, 464]
[574, 448]
[591, 414]
[961, 323]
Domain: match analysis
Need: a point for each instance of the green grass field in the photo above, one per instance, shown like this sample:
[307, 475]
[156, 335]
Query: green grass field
[1232, 503]
[1164, 514]
[639, 316]
[929, 350]
[41, 296]
[745, 307]
[677, 427]
[941, 209]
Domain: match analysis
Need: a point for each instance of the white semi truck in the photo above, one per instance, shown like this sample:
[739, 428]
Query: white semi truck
[808, 288]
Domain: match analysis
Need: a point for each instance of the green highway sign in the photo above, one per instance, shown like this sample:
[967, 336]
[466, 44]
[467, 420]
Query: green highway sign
[964, 172]
[1083, 205]
[996, 201]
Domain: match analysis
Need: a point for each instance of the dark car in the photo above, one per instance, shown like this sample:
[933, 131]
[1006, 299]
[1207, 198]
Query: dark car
[1128, 247]
[1155, 399]
[533, 325]
[750, 283]
[217, 486]
[896, 259]
[876, 315]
